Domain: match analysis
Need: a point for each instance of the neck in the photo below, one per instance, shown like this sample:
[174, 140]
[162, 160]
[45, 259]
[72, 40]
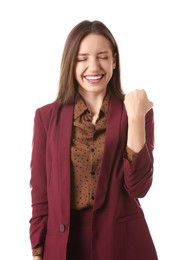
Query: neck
[93, 101]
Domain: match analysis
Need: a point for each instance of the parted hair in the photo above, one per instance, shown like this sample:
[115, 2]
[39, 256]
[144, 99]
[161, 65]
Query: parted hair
[67, 81]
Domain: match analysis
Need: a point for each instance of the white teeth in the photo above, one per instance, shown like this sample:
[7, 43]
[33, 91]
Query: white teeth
[93, 77]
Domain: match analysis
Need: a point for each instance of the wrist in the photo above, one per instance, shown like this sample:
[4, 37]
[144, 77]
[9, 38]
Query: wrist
[37, 257]
[37, 252]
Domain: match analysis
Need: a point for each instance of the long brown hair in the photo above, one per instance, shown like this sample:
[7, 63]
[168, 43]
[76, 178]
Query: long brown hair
[67, 82]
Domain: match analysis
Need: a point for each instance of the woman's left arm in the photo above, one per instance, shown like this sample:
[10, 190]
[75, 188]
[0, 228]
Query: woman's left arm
[140, 140]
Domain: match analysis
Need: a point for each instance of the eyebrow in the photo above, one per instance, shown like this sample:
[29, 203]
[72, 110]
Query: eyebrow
[99, 53]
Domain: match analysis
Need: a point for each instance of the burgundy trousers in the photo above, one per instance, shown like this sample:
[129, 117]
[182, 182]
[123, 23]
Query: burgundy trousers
[79, 244]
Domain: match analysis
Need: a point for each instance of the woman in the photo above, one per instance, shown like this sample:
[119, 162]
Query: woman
[92, 158]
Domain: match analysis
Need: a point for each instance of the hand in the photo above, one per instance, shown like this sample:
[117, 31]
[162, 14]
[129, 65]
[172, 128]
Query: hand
[137, 103]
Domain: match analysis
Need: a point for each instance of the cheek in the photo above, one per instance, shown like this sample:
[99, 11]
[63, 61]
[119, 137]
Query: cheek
[78, 73]
[79, 69]
[109, 68]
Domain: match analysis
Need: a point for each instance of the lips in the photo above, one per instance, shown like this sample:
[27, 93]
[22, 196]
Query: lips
[93, 78]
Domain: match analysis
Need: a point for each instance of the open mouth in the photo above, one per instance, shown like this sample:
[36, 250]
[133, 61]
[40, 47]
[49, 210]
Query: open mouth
[93, 78]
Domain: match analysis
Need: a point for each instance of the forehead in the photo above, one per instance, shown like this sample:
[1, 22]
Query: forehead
[94, 43]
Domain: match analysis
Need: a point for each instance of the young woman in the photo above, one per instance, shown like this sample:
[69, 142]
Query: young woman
[92, 158]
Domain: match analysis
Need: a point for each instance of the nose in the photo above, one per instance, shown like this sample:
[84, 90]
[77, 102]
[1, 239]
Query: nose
[93, 65]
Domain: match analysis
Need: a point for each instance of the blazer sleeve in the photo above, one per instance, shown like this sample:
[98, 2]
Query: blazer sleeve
[38, 183]
[138, 174]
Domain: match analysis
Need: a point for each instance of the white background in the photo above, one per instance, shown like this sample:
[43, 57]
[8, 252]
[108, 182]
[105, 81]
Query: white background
[150, 35]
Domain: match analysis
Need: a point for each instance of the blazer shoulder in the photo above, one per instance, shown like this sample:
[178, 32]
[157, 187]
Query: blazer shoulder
[47, 112]
[48, 109]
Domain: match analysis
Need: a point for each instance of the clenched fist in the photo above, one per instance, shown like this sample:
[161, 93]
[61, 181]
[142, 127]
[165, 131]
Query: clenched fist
[137, 103]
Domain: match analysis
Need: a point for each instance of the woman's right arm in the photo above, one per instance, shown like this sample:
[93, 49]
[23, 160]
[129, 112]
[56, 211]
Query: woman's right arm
[38, 183]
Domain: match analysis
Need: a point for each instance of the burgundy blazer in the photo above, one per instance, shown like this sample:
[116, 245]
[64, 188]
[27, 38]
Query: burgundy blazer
[120, 231]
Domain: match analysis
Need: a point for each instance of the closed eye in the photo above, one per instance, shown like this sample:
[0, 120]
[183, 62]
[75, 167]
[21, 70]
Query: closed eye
[103, 57]
[81, 59]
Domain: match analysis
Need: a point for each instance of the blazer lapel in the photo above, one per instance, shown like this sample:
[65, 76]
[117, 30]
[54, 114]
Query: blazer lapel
[65, 133]
[110, 150]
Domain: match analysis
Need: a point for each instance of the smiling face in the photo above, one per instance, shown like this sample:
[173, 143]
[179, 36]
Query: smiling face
[95, 64]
